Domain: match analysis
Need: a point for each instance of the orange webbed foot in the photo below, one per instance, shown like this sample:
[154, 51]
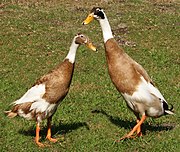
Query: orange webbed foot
[126, 137]
[137, 128]
[51, 139]
[39, 143]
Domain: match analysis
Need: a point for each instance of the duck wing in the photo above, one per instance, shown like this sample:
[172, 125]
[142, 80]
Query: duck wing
[34, 93]
[142, 72]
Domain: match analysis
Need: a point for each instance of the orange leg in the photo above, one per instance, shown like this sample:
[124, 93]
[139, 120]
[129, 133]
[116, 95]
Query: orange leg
[37, 136]
[49, 131]
[137, 128]
[139, 133]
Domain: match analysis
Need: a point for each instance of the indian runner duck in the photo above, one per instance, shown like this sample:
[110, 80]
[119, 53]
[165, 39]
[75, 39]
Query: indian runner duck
[41, 101]
[130, 78]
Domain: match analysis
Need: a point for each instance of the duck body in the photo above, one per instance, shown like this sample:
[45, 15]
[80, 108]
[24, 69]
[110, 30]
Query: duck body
[42, 99]
[132, 81]
[129, 77]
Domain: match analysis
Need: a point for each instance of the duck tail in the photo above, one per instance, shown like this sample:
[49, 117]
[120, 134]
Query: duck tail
[10, 114]
[168, 110]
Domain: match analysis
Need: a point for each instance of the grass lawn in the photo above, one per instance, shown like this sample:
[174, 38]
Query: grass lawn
[35, 37]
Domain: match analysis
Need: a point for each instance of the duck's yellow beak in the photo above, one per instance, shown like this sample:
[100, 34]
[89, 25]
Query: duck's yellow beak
[91, 46]
[88, 19]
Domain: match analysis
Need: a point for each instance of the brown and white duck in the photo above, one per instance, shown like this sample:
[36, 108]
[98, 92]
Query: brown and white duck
[42, 99]
[129, 77]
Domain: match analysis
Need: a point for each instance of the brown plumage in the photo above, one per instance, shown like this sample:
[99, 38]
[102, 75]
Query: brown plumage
[57, 82]
[123, 69]
[41, 101]
[129, 77]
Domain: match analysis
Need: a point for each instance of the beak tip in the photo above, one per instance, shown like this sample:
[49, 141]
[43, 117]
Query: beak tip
[95, 50]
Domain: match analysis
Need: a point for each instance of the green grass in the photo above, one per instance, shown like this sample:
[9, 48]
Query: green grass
[35, 36]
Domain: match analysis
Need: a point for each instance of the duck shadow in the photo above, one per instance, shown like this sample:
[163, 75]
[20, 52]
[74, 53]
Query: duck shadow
[60, 129]
[130, 124]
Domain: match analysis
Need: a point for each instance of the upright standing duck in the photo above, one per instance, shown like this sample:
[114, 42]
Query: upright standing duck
[41, 101]
[129, 77]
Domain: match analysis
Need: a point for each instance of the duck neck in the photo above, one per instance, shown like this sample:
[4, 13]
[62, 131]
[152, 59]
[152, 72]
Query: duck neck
[106, 29]
[72, 52]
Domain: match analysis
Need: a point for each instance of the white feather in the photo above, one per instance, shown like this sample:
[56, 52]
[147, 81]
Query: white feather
[43, 106]
[155, 91]
[72, 52]
[27, 116]
[51, 109]
[154, 112]
[39, 105]
[144, 93]
[34, 93]
[106, 29]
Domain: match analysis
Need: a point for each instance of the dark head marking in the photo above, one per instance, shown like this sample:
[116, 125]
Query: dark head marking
[165, 105]
[98, 11]
[166, 108]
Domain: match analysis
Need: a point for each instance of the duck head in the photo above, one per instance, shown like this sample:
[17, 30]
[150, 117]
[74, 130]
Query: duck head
[82, 39]
[96, 13]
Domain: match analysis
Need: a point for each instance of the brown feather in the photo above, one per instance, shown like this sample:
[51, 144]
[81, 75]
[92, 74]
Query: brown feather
[57, 82]
[125, 73]
[10, 114]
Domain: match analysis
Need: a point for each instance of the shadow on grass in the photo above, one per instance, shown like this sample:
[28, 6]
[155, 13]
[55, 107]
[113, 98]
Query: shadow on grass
[56, 130]
[129, 124]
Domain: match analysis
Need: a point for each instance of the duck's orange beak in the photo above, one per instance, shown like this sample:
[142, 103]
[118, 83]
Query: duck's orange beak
[88, 19]
[91, 46]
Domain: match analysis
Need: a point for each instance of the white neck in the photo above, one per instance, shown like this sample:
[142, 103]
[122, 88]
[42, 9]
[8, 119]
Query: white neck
[72, 52]
[106, 28]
